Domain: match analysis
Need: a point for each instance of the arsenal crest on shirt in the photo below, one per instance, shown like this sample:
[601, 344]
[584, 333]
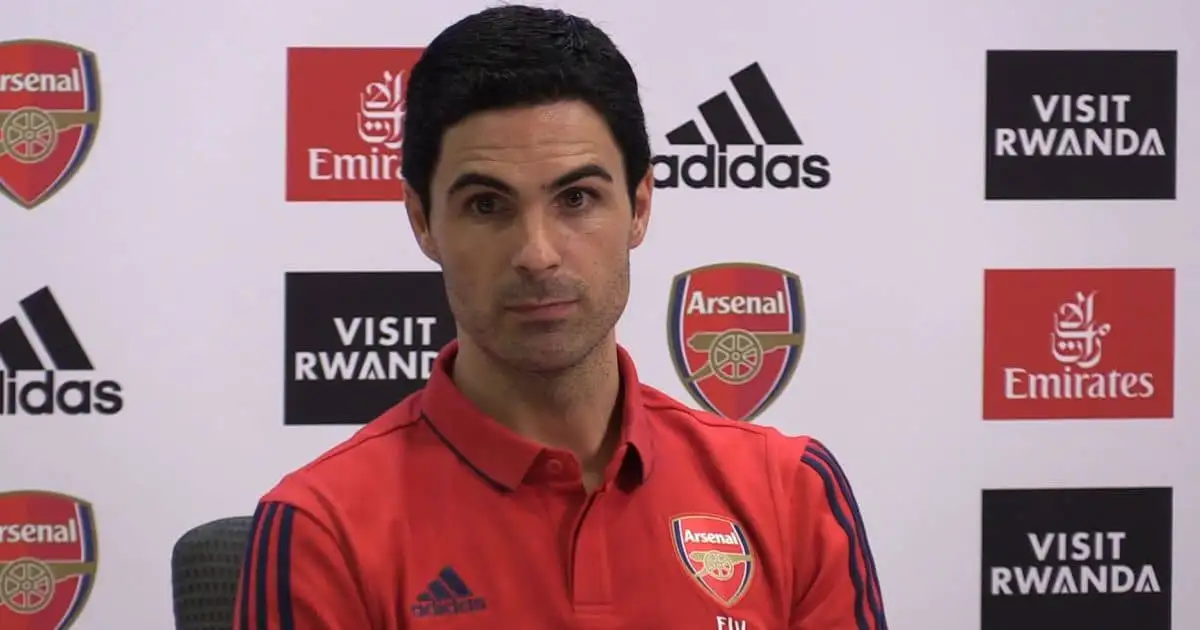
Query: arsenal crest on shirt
[716, 554]
[736, 331]
[49, 113]
[47, 559]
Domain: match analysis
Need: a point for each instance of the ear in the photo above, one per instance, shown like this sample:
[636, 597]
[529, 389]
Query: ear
[418, 219]
[641, 208]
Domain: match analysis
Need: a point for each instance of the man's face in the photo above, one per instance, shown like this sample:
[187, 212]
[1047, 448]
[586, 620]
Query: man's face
[532, 224]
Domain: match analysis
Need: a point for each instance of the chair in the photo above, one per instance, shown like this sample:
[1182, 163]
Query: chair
[205, 565]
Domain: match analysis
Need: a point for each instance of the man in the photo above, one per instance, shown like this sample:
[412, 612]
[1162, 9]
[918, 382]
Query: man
[535, 483]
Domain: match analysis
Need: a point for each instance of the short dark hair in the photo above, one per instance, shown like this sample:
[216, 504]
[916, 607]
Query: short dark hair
[518, 56]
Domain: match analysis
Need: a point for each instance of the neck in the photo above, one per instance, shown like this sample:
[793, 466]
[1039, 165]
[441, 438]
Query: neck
[571, 409]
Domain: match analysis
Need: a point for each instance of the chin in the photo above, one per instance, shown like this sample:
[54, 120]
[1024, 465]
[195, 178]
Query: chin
[547, 355]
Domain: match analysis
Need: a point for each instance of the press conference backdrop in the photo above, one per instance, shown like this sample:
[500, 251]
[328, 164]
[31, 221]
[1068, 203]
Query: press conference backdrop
[953, 240]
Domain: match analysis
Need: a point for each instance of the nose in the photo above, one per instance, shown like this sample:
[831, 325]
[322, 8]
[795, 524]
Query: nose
[537, 249]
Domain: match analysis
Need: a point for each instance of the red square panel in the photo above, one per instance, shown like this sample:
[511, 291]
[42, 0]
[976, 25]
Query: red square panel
[1079, 344]
[344, 112]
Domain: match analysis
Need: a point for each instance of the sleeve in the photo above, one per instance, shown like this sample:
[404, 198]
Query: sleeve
[295, 576]
[836, 584]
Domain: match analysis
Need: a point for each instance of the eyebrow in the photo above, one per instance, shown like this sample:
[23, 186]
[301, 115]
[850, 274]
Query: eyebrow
[586, 171]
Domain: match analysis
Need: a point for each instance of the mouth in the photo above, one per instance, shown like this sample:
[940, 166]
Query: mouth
[550, 309]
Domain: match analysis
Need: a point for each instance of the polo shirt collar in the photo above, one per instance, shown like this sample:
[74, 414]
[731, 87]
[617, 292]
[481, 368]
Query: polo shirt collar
[504, 457]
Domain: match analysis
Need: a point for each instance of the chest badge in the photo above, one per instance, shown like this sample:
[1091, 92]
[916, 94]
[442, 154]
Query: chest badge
[716, 554]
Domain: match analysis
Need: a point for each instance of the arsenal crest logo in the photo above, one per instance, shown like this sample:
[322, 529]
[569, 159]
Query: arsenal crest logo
[49, 113]
[735, 332]
[716, 554]
[47, 559]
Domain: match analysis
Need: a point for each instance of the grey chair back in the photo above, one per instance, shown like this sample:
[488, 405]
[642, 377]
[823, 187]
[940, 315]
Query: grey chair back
[205, 566]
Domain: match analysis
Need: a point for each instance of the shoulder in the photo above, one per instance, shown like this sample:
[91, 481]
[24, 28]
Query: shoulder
[674, 417]
[338, 476]
[799, 463]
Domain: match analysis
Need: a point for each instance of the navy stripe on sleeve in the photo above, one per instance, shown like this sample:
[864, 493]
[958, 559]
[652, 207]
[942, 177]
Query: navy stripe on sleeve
[266, 590]
[243, 622]
[284, 566]
[869, 613]
[262, 565]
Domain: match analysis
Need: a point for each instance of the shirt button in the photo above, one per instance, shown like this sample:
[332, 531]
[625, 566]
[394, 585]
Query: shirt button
[554, 467]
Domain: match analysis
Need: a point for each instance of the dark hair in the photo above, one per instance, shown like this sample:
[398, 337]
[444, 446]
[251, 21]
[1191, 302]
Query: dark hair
[518, 56]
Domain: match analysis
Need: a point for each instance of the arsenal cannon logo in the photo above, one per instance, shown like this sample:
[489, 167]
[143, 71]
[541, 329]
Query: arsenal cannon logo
[47, 559]
[735, 332]
[715, 552]
[49, 113]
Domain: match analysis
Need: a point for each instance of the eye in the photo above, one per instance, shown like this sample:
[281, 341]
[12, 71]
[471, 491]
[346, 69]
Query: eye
[577, 198]
[483, 204]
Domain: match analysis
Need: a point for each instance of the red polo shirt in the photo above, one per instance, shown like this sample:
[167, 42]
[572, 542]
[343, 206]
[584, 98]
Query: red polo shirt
[436, 516]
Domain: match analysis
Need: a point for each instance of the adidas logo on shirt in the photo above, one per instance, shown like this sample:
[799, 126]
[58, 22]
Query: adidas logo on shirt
[31, 385]
[447, 594]
[735, 154]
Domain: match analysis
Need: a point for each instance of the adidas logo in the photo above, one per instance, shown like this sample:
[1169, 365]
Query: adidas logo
[719, 168]
[447, 594]
[44, 391]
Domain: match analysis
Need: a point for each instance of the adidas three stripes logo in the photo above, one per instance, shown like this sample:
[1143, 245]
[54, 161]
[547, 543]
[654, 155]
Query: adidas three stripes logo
[727, 127]
[32, 382]
[53, 330]
[723, 120]
[447, 594]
